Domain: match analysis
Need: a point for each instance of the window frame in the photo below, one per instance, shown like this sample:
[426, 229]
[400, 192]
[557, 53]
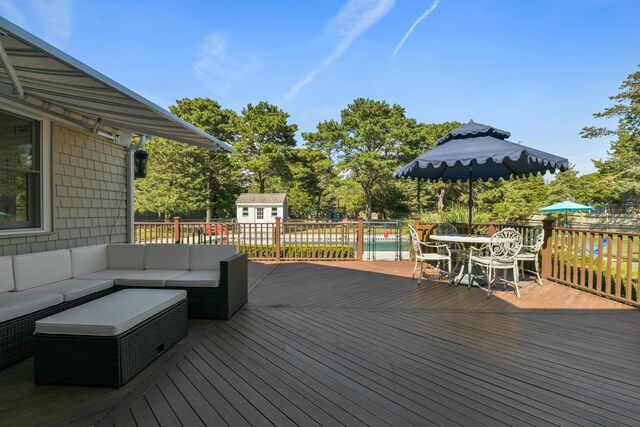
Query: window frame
[42, 201]
[245, 212]
[274, 211]
[259, 213]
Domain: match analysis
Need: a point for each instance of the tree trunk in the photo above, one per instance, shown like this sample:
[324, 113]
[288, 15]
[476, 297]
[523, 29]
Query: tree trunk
[209, 204]
[367, 198]
[418, 199]
[318, 206]
[441, 193]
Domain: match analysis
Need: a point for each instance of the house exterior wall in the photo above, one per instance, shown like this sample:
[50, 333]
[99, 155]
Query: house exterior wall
[88, 187]
[253, 209]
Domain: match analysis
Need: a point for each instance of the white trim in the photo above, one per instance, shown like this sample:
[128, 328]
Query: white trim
[46, 179]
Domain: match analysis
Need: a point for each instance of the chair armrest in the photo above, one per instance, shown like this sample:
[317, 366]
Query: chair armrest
[437, 246]
[234, 282]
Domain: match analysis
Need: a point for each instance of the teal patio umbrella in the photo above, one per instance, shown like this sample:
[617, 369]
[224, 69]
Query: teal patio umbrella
[566, 206]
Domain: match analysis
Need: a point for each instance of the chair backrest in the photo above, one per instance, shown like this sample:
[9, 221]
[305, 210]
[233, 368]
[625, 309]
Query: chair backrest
[445, 228]
[534, 238]
[415, 241]
[505, 245]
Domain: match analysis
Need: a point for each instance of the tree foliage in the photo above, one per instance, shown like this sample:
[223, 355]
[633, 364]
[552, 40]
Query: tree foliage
[265, 139]
[620, 172]
[368, 143]
[185, 178]
[626, 109]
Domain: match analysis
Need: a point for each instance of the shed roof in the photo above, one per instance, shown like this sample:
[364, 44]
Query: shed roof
[248, 198]
[50, 77]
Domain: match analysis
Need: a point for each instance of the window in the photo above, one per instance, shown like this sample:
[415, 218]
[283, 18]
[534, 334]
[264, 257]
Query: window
[274, 211]
[260, 213]
[20, 172]
[245, 212]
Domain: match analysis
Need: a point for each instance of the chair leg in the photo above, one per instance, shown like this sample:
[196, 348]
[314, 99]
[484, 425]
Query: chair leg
[515, 279]
[415, 267]
[489, 282]
[538, 272]
[420, 278]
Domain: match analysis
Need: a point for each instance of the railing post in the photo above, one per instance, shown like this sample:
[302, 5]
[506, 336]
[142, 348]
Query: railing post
[547, 246]
[276, 237]
[176, 230]
[360, 239]
[492, 225]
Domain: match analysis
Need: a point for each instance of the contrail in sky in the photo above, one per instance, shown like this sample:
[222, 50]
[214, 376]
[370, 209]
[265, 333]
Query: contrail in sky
[355, 17]
[415, 24]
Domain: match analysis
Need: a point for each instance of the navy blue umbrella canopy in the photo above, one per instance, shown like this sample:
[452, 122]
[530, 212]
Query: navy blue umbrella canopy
[476, 151]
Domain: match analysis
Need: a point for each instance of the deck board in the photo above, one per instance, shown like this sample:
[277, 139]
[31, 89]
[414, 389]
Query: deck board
[361, 343]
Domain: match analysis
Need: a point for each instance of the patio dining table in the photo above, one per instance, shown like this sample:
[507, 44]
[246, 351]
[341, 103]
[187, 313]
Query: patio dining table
[465, 241]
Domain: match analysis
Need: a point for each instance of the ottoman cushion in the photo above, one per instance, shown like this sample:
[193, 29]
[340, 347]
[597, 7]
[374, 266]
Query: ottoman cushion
[111, 315]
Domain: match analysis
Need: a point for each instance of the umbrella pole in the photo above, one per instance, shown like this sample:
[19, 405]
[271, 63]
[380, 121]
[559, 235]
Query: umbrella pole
[470, 203]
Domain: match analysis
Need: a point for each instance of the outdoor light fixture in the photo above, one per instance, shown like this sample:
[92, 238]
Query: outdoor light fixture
[140, 163]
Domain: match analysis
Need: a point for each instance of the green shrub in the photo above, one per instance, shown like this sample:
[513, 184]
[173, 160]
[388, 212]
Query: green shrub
[592, 270]
[300, 251]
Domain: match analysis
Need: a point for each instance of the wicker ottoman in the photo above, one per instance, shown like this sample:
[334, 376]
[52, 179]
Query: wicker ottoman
[106, 342]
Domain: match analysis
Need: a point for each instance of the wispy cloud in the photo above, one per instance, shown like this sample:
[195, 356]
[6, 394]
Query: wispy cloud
[52, 20]
[355, 17]
[415, 24]
[217, 68]
[56, 16]
[12, 12]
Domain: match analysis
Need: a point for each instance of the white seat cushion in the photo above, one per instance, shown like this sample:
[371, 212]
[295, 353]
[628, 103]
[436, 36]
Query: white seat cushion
[208, 257]
[147, 278]
[75, 288]
[166, 257]
[486, 260]
[111, 315]
[16, 304]
[6, 274]
[125, 257]
[41, 268]
[108, 274]
[196, 279]
[88, 259]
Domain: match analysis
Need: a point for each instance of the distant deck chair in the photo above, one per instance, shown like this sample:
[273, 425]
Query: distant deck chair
[499, 254]
[530, 252]
[439, 255]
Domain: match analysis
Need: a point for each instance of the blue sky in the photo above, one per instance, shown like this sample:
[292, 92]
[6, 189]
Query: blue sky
[538, 69]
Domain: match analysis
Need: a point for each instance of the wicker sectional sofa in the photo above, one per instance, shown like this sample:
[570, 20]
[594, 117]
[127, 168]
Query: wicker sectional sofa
[34, 286]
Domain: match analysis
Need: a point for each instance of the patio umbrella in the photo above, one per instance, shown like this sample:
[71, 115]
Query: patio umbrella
[476, 151]
[566, 206]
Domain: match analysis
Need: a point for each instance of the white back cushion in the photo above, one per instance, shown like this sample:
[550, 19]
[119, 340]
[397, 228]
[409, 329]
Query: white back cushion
[6, 274]
[125, 257]
[88, 259]
[166, 257]
[33, 270]
[208, 257]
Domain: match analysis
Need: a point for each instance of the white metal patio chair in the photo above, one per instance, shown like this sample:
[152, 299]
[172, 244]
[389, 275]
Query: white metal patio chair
[448, 228]
[500, 254]
[440, 253]
[530, 252]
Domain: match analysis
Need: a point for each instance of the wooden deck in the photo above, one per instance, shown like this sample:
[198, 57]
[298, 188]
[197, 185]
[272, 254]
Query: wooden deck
[349, 343]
